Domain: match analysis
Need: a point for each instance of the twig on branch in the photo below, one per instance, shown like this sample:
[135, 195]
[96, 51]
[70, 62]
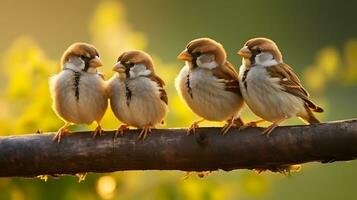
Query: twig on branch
[171, 149]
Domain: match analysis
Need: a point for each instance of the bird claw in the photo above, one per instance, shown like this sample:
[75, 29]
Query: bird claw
[192, 128]
[227, 127]
[121, 130]
[269, 129]
[61, 132]
[97, 131]
[230, 123]
[144, 132]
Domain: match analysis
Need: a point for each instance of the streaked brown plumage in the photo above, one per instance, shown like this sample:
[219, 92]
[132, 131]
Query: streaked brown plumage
[137, 94]
[78, 91]
[270, 87]
[208, 83]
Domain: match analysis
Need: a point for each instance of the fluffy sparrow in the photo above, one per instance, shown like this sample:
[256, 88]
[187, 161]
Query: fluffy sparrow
[78, 91]
[208, 83]
[137, 95]
[270, 87]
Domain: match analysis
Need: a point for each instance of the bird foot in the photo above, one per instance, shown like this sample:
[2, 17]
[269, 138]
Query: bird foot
[121, 130]
[60, 133]
[227, 126]
[144, 132]
[192, 128]
[269, 129]
[97, 131]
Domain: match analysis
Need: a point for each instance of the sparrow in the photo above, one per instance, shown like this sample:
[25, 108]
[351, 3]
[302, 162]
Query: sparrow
[208, 84]
[137, 95]
[79, 91]
[270, 87]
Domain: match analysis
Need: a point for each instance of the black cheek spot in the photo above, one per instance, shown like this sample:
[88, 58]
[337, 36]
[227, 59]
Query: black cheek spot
[127, 72]
[252, 59]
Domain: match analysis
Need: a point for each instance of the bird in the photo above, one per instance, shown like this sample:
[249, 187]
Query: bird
[270, 87]
[137, 95]
[208, 84]
[79, 91]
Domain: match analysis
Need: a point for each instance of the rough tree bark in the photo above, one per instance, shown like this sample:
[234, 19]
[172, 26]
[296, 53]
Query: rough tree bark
[171, 149]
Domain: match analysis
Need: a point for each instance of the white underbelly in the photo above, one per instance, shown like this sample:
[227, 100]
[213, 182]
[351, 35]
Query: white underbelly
[266, 98]
[207, 96]
[90, 105]
[144, 108]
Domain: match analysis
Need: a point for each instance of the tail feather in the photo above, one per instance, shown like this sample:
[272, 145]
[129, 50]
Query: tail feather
[311, 105]
[310, 118]
[318, 109]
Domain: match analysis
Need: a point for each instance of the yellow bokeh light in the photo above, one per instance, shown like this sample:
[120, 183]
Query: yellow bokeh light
[192, 189]
[314, 79]
[106, 187]
[17, 194]
[328, 60]
[350, 74]
[255, 185]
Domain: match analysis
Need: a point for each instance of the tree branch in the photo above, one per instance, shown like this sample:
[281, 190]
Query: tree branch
[171, 149]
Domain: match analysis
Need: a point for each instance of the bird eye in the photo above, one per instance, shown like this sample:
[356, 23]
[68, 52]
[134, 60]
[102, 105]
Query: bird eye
[197, 54]
[83, 57]
[256, 51]
[129, 64]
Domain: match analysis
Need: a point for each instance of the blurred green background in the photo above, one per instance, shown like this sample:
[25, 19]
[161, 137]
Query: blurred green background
[317, 38]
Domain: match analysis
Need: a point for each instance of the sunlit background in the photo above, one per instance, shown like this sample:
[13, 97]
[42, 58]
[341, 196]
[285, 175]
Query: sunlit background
[317, 38]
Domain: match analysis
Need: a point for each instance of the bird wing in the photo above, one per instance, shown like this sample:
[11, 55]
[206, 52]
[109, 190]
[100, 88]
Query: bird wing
[161, 84]
[228, 74]
[291, 83]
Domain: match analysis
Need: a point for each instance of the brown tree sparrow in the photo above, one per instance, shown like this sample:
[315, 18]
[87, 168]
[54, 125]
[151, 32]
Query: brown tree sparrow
[209, 84]
[78, 91]
[270, 87]
[137, 96]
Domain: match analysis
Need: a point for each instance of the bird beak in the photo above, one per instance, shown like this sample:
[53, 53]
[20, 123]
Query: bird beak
[185, 56]
[118, 67]
[95, 62]
[245, 52]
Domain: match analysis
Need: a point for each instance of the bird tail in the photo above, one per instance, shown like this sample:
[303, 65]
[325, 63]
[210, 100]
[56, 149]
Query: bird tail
[312, 106]
[310, 118]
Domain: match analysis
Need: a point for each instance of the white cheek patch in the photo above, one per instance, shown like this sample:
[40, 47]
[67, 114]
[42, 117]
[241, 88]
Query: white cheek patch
[139, 70]
[92, 70]
[206, 61]
[78, 62]
[265, 59]
[75, 63]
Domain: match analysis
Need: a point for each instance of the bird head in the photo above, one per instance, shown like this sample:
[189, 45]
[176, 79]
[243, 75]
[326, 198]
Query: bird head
[81, 57]
[260, 51]
[203, 53]
[132, 64]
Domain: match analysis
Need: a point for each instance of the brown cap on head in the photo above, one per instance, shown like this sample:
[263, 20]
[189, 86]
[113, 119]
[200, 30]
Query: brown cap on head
[202, 46]
[136, 57]
[261, 44]
[83, 50]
